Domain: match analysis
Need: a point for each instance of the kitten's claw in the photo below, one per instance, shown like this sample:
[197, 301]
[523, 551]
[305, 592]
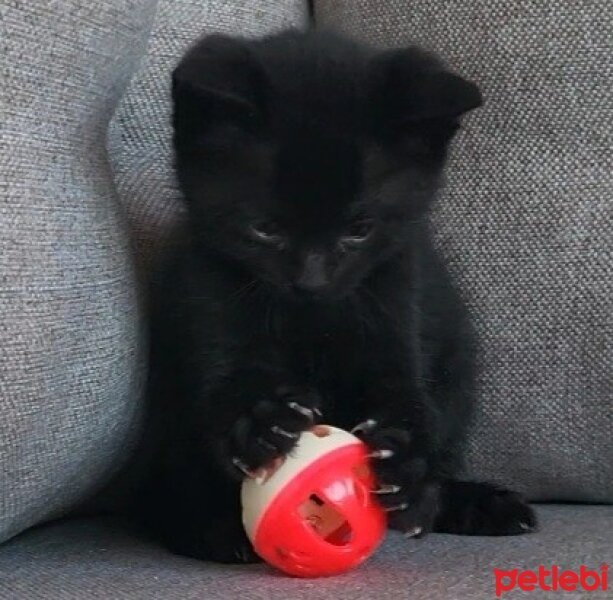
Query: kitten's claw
[413, 532]
[241, 466]
[387, 489]
[398, 507]
[303, 410]
[279, 431]
[381, 454]
[266, 444]
[364, 427]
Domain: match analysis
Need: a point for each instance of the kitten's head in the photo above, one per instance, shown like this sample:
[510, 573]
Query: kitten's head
[307, 158]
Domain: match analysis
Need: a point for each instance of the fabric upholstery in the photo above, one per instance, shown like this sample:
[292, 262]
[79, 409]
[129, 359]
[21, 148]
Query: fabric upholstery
[526, 221]
[102, 559]
[70, 339]
[140, 135]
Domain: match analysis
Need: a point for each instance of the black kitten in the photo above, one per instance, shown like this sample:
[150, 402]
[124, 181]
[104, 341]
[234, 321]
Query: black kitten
[306, 285]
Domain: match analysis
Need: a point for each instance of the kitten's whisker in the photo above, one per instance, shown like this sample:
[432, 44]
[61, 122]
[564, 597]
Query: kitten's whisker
[243, 291]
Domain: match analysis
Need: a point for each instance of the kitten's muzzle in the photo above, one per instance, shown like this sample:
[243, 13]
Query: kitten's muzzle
[312, 278]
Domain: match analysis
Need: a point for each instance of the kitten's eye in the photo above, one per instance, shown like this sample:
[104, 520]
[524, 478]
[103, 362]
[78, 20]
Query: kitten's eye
[358, 232]
[267, 232]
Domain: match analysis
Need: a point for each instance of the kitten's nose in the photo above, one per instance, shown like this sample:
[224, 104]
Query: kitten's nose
[313, 277]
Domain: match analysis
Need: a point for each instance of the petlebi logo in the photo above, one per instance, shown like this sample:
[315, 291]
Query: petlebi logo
[552, 579]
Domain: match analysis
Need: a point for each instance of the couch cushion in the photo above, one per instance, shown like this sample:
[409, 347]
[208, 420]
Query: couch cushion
[140, 134]
[526, 223]
[69, 329]
[103, 559]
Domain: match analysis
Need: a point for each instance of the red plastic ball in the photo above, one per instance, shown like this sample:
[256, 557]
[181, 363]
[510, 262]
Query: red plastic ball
[321, 520]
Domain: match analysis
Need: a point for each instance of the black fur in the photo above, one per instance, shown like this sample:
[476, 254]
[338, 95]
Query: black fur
[306, 274]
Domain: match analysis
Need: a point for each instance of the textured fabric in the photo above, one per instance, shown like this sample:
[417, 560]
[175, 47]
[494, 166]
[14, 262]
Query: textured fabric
[69, 339]
[101, 559]
[526, 222]
[140, 139]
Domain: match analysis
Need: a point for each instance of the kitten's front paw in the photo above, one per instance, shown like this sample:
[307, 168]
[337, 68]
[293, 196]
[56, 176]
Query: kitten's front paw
[272, 427]
[411, 499]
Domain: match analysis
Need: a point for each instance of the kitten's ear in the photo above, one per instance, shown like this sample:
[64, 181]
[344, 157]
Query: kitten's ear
[218, 81]
[410, 88]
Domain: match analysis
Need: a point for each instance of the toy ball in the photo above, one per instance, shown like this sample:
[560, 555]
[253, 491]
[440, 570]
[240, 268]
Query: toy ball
[312, 514]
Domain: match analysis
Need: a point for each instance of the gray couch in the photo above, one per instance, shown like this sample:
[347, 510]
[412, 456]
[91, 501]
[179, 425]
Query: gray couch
[87, 198]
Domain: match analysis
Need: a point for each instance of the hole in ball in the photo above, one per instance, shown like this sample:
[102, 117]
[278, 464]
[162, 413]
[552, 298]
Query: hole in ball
[325, 520]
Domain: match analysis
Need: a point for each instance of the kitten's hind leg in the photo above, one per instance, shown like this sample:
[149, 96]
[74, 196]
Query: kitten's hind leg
[471, 508]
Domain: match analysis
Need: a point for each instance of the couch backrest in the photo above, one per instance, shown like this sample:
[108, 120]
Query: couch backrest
[70, 330]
